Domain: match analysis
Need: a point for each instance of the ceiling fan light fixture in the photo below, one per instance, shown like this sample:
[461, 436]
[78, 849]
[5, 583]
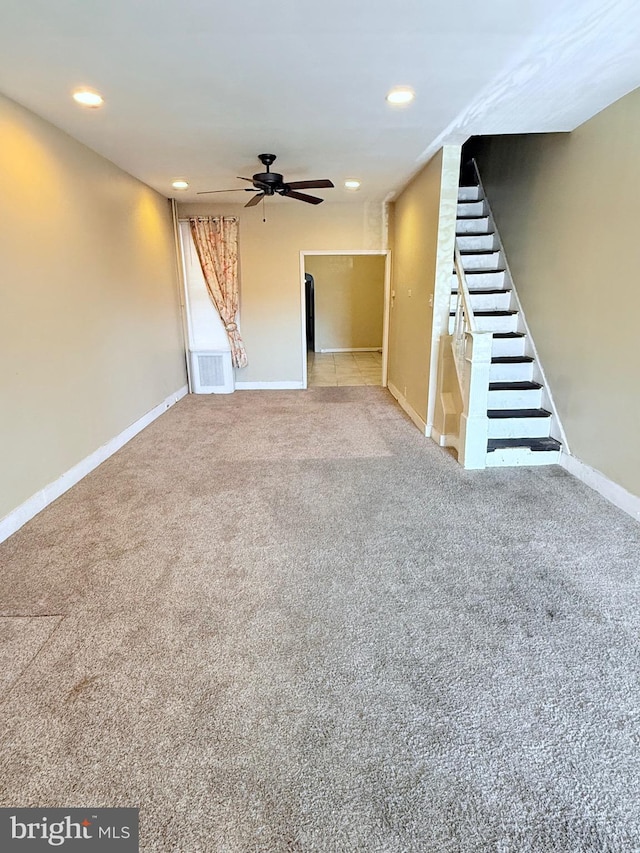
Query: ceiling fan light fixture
[400, 96]
[88, 98]
[180, 184]
[352, 184]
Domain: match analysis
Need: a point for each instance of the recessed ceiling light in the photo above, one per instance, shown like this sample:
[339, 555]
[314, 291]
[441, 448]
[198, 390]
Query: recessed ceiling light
[180, 185]
[401, 95]
[352, 184]
[88, 98]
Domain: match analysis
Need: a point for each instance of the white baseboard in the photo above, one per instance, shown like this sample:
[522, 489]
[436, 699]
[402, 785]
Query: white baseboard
[33, 505]
[269, 386]
[443, 439]
[353, 349]
[415, 417]
[613, 492]
[437, 437]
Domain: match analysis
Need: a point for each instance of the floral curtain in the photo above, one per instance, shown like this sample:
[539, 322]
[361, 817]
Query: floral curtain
[216, 242]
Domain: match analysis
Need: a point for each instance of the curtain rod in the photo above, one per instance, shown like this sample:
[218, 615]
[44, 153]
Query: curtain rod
[209, 218]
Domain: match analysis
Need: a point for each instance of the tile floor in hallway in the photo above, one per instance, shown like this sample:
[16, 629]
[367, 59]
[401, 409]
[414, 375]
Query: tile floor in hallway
[344, 368]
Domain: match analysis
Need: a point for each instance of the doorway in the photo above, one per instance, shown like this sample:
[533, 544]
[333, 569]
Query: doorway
[345, 317]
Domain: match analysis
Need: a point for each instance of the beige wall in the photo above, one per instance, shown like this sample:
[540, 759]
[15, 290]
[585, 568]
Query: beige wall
[349, 300]
[90, 335]
[566, 207]
[422, 229]
[271, 310]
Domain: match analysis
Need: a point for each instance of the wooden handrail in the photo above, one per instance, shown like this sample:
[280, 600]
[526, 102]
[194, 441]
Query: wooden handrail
[463, 291]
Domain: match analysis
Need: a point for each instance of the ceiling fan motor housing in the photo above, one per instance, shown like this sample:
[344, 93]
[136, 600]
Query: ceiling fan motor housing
[268, 181]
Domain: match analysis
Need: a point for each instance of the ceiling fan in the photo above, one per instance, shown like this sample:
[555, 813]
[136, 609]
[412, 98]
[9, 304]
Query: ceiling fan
[270, 183]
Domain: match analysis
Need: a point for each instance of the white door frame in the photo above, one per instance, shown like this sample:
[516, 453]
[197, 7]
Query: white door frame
[387, 301]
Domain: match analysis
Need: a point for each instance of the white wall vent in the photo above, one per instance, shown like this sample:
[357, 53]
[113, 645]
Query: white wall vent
[211, 372]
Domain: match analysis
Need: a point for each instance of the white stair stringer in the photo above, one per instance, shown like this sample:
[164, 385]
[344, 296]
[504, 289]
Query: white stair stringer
[523, 425]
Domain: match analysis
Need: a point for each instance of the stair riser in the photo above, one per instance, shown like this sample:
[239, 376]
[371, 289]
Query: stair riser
[482, 262]
[468, 193]
[497, 324]
[519, 428]
[481, 243]
[486, 301]
[492, 324]
[515, 399]
[511, 372]
[472, 226]
[482, 281]
[471, 208]
[513, 456]
[508, 346]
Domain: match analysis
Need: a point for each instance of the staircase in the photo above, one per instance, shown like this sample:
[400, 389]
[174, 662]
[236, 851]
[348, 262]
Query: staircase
[520, 420]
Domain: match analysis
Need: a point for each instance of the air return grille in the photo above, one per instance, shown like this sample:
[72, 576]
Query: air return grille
[211, 372]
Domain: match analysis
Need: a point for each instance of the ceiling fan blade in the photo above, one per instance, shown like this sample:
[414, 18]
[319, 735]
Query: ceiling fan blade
[240, 178]
[310, 185]
[235, 190]
[310, 199]
[253, 201]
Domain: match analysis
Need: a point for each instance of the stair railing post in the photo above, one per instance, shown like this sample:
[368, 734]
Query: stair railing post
[472, 351]
[474, 423]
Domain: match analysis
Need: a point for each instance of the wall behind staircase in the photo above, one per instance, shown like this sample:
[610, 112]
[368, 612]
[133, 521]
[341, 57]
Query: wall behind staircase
[566, 206]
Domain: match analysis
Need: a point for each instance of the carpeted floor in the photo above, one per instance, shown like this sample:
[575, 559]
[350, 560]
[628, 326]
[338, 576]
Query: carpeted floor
[286, 621]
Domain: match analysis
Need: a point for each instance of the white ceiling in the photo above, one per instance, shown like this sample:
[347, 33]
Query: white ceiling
[198, 88]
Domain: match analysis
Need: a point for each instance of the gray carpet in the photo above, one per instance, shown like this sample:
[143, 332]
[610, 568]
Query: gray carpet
[285, 621]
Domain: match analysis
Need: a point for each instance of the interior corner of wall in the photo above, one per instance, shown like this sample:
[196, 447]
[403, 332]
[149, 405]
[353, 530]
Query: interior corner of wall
[375, 225]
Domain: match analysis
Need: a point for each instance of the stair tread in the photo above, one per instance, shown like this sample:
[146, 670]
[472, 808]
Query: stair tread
[474, 270]
[485, 291]
[489, 313]
[535, 444]
[500, 414]
[514, 386]
[507, 335]
[512, 359]
[475, 233]
[467, 218]
[479, 251]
